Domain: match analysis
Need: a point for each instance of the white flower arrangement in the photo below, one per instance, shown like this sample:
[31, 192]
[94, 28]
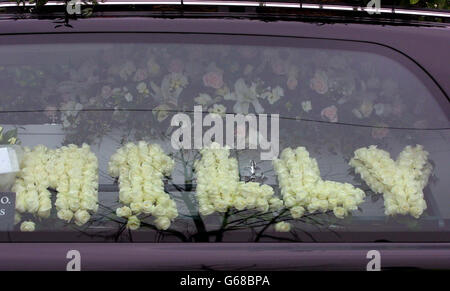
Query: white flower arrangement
[303, 189]
[73, 172]
[31, 185]
[219, 188]
[70, 170]
[401, 181]
[140, 169]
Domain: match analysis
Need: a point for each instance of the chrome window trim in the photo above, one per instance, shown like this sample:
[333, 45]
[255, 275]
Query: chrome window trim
[260, 3]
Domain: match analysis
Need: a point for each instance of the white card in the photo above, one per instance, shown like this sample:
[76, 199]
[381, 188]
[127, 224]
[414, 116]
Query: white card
[8, 161]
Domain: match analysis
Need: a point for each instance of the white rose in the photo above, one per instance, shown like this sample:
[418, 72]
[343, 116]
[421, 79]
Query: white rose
[159, 210]
[297, 211]
[206, 209]
[32, 203]
[148, 207]
[289, 201]
[133, 222]
[282, 226]
[125, 197]
[275, 203]
[81, 217]
[220, 205]
[416, 212]
[124, 211]
[45, 208]
[20, 204]
[136, 207]
[74, 204]
[171, 213]
[65, 214]
[89, 204]
[339, 212]
[240, 203]
[162, 223]
[27, 226]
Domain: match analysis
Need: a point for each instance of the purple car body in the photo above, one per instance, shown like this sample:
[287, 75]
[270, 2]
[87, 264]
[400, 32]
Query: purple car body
[422, 46]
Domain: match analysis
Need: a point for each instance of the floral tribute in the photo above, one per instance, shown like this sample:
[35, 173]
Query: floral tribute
[219, 188]
[303, 189]
[70, 170]
[141, 168]
[401, 181]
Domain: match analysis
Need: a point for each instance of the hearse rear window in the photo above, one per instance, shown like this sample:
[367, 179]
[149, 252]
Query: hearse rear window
[162, 138]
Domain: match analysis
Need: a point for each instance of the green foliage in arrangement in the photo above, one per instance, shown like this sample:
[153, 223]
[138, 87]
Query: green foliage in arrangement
[8, 137]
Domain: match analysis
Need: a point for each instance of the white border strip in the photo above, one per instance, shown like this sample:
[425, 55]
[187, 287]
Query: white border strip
[223, 3]
[424, 13]
[262, 3]
[281, 5]
[338, 7]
